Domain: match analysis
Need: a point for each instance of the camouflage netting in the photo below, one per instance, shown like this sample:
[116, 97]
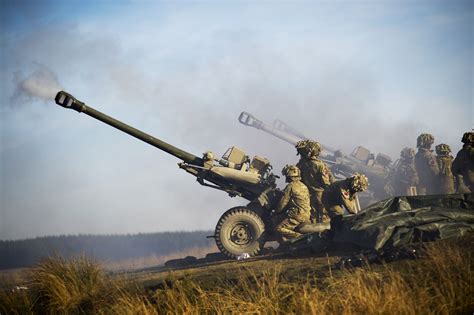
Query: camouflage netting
[401, 221]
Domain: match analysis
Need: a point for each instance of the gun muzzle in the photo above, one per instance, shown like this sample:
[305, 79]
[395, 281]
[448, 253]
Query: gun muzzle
[249, 120]
[66, 100]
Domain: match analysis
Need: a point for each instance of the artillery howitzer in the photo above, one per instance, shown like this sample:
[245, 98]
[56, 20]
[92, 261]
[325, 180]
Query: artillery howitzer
[376, 168]
[240, 230]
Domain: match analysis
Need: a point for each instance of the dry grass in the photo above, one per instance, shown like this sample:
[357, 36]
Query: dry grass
[441, 283]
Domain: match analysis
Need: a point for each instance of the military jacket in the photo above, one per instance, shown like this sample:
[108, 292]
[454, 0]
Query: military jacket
[427, 169]
[463, 165]
[295, 200]
[340, 194]
[446, 178]
[315, 174]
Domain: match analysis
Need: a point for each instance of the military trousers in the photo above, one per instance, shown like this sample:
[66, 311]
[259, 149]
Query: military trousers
[286, 228]
[318, 210]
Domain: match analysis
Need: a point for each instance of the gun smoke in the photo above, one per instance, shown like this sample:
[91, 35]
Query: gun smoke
[40, 85]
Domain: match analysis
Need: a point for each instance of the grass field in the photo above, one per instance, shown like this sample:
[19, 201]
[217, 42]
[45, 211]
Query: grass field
[440, 282]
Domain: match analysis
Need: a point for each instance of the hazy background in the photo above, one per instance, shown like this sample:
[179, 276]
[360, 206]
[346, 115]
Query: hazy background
[346, 73]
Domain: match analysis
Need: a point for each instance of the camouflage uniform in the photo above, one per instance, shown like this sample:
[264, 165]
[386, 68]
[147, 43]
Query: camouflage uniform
[426, 165]
[463, 164]
[315, 174]
[294, 204]
[342, 194]
[445, 177]
[404, 175]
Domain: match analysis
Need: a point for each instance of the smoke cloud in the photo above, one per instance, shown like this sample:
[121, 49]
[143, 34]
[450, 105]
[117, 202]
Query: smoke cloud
[42, 84]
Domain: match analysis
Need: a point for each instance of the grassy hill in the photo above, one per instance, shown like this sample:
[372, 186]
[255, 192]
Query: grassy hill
[440, 281]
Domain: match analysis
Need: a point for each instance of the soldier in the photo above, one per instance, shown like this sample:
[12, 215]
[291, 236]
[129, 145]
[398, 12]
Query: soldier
[426, 165]
[342, 194]
[315, 175]
[445, 161]
[463, 165]
[404, 178]
[294, 205]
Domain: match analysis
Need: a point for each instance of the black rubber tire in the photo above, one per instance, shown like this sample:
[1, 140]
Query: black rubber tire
[239, 231]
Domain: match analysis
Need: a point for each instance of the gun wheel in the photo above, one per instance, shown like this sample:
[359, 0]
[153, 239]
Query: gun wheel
[239, 231]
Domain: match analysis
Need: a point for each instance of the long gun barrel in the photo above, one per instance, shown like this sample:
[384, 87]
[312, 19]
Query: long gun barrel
[250, 120]
[279, 130]
[66, 100]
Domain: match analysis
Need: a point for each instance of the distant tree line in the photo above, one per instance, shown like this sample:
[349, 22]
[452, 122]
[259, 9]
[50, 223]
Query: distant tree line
[24, 253]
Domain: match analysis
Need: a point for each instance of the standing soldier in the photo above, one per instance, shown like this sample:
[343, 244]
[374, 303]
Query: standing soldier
[426, 165]
[294, 204]
[445, 161]
[342, 194]
[404, 178]
[463, 165]
[315, 175]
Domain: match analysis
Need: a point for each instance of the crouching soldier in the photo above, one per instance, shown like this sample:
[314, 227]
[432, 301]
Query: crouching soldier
[294, 205]
[342, 194]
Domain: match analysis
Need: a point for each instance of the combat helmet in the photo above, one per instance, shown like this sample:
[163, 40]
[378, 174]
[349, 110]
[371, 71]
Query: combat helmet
[359, 182]
[314, 148]
[208, 156]
[302, 147]
[291, 171]
[424, 140]
[442, 149]
[468, 137]
[407, 153]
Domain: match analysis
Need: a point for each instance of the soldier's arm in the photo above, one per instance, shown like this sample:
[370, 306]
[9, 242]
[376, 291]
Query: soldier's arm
[348, 201]
[331, 176]
[323, 171]
[457, 165]
[350, 205]
[434, 167]
[284, 199]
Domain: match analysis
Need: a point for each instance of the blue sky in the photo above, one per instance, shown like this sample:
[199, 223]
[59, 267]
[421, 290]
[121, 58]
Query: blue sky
[372, 73]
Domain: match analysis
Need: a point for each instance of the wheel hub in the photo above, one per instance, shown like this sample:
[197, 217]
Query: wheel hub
[241, 234]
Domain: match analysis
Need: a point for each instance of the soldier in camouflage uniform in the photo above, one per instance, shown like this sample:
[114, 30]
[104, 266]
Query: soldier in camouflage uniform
[315, 175]
[445, 177]
[342, 194]
[294, 205]
[426, 165]
[404, 176]
[463, 165]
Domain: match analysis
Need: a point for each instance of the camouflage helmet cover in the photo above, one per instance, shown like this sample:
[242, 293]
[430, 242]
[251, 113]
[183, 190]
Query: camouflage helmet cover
[359, 182]
[443, 149]
[308, 148]
[314, 148]
[291, 171]
[208, 156]
[468, 137]
[302, 147]
[424, 140]
[407, 153]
